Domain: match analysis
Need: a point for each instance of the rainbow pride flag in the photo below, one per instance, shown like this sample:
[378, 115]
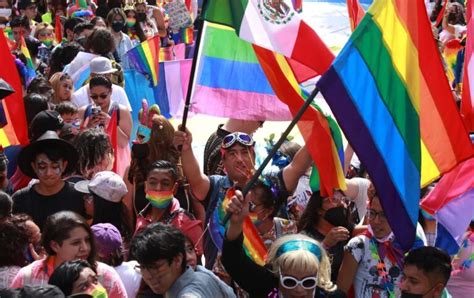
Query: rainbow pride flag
[316, 129]
[450, 55]
[30, 67]
[15, 132]
[253, 243]
[467, 102]
[145, 58]
[230, 82]
[388, 91]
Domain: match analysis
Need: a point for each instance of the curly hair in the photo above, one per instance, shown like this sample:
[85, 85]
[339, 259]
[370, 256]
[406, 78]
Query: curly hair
[14, 239]
[160, 148]
[455, 12]
[100, 42]
[93, 146]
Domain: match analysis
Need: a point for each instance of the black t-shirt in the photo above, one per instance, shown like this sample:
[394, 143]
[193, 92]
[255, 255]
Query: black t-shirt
[28, 200]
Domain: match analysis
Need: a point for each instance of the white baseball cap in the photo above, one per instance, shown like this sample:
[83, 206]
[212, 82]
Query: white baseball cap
[101, 65]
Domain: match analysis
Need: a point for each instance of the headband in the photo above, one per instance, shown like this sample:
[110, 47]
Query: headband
[293, 245]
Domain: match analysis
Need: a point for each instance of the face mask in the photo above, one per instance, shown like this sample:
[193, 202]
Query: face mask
[99, 292]
[131, 22]
[117, 26]
[160, 199]
[140, 151]
[5, 12]
[337, 217]
[47, 42]
[410, 295]
[141, 16]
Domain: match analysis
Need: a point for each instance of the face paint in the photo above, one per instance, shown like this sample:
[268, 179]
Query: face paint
[254, 218]
[43, 165]
[160, 199]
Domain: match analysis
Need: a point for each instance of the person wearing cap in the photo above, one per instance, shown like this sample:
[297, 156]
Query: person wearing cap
[47, 159]
[101, 66]
[105, 204]
[110, 251]
[44, 121]
[238, 157]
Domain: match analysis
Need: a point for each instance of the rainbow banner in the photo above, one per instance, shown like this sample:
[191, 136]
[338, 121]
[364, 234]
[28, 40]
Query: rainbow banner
[388, 91]
[450, 55]
[30, 67]
[326, 150]
[145, 58]
[15, 132]
[230, 82]
[253, 243]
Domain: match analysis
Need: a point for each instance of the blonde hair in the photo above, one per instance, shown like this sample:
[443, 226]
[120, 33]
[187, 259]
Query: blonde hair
[42, 26]
[55, 81]
[301, 260]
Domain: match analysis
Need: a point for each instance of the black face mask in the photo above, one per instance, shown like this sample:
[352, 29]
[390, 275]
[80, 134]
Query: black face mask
[410, 295]
[140, 151]
[141, 17]
[117, 26]
[337, 217]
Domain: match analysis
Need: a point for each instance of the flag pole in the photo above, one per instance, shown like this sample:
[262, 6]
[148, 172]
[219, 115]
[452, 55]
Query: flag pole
[197, 44]
[282, 139]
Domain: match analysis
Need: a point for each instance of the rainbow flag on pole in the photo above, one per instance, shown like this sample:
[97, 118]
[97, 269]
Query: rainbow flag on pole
[388, 91]
[30, 67]
[253, 243]
[145, 58]
[326, 150]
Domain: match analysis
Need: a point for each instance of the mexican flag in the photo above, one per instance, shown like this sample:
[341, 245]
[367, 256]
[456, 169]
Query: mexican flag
[274, 25]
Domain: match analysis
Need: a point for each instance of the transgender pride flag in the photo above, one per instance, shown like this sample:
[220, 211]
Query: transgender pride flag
[452, 204]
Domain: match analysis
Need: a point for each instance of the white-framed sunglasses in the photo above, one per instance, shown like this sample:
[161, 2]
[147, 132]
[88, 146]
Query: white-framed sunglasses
[307, 283]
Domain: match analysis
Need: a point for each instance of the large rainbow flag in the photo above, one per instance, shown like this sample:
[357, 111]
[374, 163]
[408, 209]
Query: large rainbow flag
[388, 91]
[230, 82]
[16, 130]
[30, 68]
[145, 58]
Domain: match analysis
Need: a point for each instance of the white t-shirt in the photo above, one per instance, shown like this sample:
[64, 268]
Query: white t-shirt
[369, 280]
[130, 277]
[81, 97]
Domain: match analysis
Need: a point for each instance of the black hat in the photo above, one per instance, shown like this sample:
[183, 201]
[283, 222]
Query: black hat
[23, 4]
[49, 139]
[44, 121]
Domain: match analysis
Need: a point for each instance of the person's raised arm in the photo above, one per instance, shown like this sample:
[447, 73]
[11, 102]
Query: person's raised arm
[297, 167]
[199, 182]
[347, 272]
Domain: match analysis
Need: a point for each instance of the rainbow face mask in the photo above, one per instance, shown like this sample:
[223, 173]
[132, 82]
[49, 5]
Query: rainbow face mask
[254, 218]
[47, 42]
[97, 292]
[160, 199]
[131, 22]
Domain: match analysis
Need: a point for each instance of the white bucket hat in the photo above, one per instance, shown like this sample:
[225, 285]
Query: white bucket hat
[101, 65]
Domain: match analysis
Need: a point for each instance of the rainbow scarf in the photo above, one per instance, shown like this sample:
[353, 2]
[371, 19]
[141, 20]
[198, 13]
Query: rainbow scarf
[145, 58]
[253, 243]
[30, 68]
[160, 199]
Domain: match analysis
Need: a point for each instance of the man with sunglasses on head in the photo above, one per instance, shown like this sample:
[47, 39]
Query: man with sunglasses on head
[238, 158]
[99, 66]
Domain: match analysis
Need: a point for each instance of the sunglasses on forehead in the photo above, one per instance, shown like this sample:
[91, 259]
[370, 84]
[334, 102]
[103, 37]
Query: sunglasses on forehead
[240, 137]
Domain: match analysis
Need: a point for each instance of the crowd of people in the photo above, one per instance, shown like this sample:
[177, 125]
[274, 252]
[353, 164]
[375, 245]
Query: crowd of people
[84, 213]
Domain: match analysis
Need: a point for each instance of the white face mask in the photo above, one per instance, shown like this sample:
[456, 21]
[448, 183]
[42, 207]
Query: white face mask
[5, 12]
